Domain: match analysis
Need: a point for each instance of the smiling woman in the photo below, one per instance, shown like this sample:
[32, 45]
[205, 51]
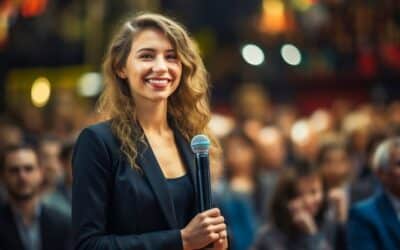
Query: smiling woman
[153, 69]
[134, 185]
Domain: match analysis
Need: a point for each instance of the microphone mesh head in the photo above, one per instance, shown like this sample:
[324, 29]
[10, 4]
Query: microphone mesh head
[200, 144]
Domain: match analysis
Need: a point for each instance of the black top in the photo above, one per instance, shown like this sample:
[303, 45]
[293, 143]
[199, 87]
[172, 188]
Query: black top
[182, 194]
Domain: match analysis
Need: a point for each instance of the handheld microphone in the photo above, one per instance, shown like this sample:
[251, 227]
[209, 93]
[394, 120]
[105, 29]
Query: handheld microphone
[200, 145]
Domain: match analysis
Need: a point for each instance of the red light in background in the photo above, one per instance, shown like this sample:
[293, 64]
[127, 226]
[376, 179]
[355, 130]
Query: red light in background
[31, 8]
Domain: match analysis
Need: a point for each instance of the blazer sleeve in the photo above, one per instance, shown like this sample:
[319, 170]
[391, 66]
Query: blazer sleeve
[360, 234]
[91, 196]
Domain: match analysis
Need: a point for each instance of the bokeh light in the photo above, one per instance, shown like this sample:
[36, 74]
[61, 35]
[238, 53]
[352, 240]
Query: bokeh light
[90, 84]
[253, 54]
[291, 54]
[40, 92]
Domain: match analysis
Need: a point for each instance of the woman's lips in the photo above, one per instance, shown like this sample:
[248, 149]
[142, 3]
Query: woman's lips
[158, 83]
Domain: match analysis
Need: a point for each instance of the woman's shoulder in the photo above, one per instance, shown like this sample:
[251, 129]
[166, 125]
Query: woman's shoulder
[100, 132]
[100, 128]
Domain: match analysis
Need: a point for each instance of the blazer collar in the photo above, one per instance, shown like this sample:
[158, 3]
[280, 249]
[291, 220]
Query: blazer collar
[151, 169]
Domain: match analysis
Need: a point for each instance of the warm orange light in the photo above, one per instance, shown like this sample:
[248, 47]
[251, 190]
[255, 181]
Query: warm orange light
[273, 17]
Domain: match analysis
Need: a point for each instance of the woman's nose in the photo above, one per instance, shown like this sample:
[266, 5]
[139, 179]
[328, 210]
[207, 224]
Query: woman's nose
[160, 65]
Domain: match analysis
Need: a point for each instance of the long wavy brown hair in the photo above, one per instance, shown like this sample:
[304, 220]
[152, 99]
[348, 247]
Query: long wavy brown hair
[188, 106]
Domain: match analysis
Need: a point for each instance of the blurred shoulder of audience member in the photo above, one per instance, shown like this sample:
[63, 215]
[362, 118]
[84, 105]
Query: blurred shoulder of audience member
[240, 196]
[375, 223]
[49, 149]
[26, 223]
[61, 197]
[297, 213]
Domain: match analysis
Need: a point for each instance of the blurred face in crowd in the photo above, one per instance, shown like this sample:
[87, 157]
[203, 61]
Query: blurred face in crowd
[153, 68]
[310, 193]
[22, 175]
[49, 155]
[391, 177]
[9, 135]
[272, 146]
[240, 155]
[335, 167]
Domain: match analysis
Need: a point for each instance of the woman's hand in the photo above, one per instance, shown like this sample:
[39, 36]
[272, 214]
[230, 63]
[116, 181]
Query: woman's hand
[205, 228]
[222, 242]
[301, 217]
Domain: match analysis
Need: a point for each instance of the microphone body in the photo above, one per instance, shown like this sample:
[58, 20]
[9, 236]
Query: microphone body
[203, 181]
[200, 145]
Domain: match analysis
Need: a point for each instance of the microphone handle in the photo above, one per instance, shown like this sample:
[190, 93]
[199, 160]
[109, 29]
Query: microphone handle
[204, 185]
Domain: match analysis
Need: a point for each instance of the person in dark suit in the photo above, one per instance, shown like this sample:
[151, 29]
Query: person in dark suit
[375, 223]
[27, 224]
[133, 175]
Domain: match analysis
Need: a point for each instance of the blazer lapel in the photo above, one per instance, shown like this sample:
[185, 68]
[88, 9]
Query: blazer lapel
[188, 159]
[148, 162]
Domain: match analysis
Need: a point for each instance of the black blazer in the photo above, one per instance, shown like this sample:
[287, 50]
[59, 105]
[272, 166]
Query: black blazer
[117, 207]
[55, 229]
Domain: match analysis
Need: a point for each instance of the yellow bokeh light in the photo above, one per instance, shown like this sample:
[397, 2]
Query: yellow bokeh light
[40, 92]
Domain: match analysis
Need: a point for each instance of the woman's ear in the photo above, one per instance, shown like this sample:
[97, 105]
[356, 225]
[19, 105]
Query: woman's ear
[122, 73]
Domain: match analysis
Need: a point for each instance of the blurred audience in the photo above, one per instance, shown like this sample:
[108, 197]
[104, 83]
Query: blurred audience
[240, 197]
[375, 223]
[298, 214]
[26, 223]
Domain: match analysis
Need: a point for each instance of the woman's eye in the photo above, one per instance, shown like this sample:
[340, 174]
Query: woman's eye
[146, 56]
[172, 57]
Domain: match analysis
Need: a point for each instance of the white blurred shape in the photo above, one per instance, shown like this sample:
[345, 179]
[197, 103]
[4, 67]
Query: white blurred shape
[291, 54]
[253, 54]
[221, 125]
[90, 84]
[300, 132]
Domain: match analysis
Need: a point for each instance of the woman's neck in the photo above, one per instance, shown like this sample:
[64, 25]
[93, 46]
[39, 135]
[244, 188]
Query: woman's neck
[152, 116]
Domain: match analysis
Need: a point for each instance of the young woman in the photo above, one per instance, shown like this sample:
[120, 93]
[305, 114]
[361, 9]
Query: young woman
[298, 214]
[134, 185]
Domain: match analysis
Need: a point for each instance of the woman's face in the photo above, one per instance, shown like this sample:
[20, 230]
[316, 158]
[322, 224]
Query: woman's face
[240, 155]
[310, 193]
[153, 68]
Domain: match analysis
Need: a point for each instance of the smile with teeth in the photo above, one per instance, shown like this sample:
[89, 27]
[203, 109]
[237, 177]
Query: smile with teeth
[158, 82]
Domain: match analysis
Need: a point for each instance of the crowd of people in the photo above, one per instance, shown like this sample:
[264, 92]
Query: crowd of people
[328, 180]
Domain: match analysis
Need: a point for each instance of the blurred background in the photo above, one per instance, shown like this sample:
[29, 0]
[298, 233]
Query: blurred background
[291, 75]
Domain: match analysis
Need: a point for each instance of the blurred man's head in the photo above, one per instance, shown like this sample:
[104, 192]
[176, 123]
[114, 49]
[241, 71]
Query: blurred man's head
[333, 159]
[386, 164]
[21, 173]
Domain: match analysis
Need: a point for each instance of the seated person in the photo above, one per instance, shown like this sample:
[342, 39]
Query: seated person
[375, 223]
[297, 214]
[27, 224]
